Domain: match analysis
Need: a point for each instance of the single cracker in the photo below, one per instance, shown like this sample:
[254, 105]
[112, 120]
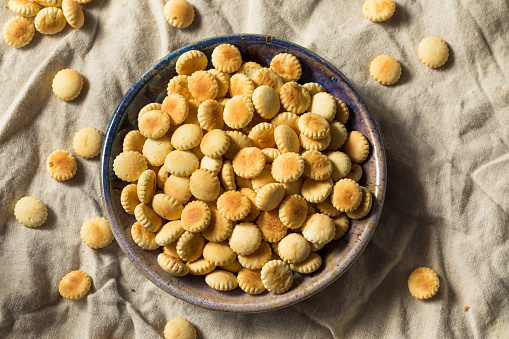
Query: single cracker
[177, 108]
[24, 8]
[346, 195]
[245, 238]
[249, 68]
[190, 246]
[133, 141]
[234, 267]
[178, 187]
[233, 205]
[342, 112]
[341, 164]
[287, 66]
[181, 163]
[146, 186]
[195, 216]
[258, 258]
[87, 142]
[338, 134]
[318, 229]
[270, 196]
[143, 237]
[326, 207]
[314, 126]
[385, 70]
[316, 165]
[129, 165]
[186, 137]
[289, 119]
[293, 248]
[172, 265]
[262, 135]
[355, 173]
[378, 10]
[294, 97]
[179, 13]
[267, 77]
[423, 283]
[315, 191]
[250, 281]
[341, 223]
[227, 176]
[271, 227]
[167, 207]
[215, 143]
[314, 144]
[356, 147]
[223, 81]
[147, 217]
[18, 31]
[129, 198]
[30, 212]
[311, 264]
[277, 277]
[212, 164]
[254, 211]
[313, 88]
[156, 150]
[50, 20]
[271, 154]
[179, 328]
[169, 233]
[226, 58]
[204, 185]
[178, 85]
[221, 280]
[293, 211]
[266, 101]
[238, 141]
[73, 13]
[200, 267]
[262, 179]
[433, 51]
[96, 233]
[203, 85]
[287, 167]
[241, 84]
[248, 162]
[74, 285]
[323, 104]
[364, 207]
[238, 112]
[61, 165]
[219, 253]
[154, 124]
[286, 139]
[219, 228]
[67, 83]
[210, 115]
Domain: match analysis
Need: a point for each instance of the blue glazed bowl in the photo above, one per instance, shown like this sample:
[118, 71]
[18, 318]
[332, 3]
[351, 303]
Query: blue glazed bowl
[337, 255]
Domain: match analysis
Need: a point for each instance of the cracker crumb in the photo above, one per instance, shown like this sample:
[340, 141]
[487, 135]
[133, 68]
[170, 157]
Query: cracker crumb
[466, 308]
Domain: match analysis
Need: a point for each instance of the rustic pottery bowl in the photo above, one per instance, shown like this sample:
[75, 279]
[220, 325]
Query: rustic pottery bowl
[337, 255]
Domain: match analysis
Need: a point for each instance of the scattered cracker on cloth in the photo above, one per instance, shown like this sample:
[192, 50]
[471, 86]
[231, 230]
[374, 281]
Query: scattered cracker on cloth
[444, 132]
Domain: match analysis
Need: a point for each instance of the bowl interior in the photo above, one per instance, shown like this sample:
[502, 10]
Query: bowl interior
[337, 256]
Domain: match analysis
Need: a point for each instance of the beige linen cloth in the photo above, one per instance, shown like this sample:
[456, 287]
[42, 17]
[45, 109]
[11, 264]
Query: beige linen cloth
[446, 138]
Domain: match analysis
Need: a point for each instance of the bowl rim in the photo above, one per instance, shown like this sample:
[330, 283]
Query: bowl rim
[114, 123]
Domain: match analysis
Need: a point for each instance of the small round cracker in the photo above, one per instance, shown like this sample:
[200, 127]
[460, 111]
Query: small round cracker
[154, 124]
[234, 267]
[289, 119]
[190, 62]
[423, 283]
[262, 179]
[178, 187]
[318, 229]
[293, 187]
[287, 66]
[356, 147]
[129, 165]
[74, 285]
[219, 228]
[238, 141]
[223, 81]
[311, 264]
[133, 141]
[172, 265]
[195, 216]
[364, 207]
[313, 88]
[254, 211]
[186, 137]
[267, 77]
[287, 167]
[30, 212]
[67, 84]
[190, 246]
[221, 280]
[167, 207]
[178, 85]
[355, 173]
[226, 58]
[203, 85]
[177, 108]
[241, 84]
[200, 267]
[262, 135]
[156, 150]
[212, 164]
[24, 8]
[258, 258]
[342, 112]
[341, 164]
[293, 211]
[316, 165]
[293, 248]
[179, 328]
[96, 233]
[87, 142]
[245, 238]
[378, 10]
[248, 68]
[433, 51]
[147, 217]
[250, 281]
[227, 176]
[248, 162]
[271, 154]
[215, 143]
[181, 163]
[326, 207]
[18, 31]
[50, 20]
[210, 115]
[73, 13]
[314, 126]
[323, 104]
[315, 191]
[169, 232]
[179, 13]
[146, 186]
[385, 70]
[266, 101]
[314, 144]
[277, 277]
[219, 253]
[346, 195]
[270, 196]
[271, 227]
[294, 97]
[238, 112]
[204, 185]
[129, 198]
[286, 139]
[338, 134]
[143, 237]
[61, 165]
[233, 205]
[341, 222]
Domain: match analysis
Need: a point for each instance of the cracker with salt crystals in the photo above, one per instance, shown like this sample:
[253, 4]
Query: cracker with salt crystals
[287, 66]
[226, 58]
[30, 212]
[356, 147]
[238, 112]
[266, 101]
[215, 143]
[179, 328]
[174, 266]
[74, 285]
[190, 246]
[177, 108]
[294, 97]
[346, 195]
[181, 163]
[96, 233]
[67, 84]
[433, 51]
[250, 281]
[179, 13]
[271, 227]
[385, 70]
[166, 206]
[423, 283]
[248, 162]
[169, 233]
[147, 217]
[195, 216]
[293, 211]
[277, 277]
[364, 207]
[61, 165]
[18, 31]
[219, 253]
[221, 280]
[133, 141]
[178, 187]
[50, 20]
[245, 238]
[316, 165]
[210, 115]
[258, 258]
[287, 167]
[309, 265]
[143, 237]
[204, 185]
[378, 10]
[87, 142]
[154, 124]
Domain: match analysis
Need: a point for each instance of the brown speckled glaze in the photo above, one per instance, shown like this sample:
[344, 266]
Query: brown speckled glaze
[337, 255]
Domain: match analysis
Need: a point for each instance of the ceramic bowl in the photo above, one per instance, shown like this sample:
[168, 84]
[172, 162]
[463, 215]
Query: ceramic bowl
[337, 256]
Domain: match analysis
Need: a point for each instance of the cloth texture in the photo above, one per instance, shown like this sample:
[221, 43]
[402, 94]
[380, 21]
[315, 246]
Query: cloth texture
[445, 137]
